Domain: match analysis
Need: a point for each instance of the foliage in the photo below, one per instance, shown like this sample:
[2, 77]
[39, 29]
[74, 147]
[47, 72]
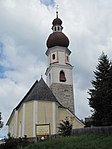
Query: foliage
[101, 94]
[14, 143]
[1, 122]
[65, 127]
[75, 142]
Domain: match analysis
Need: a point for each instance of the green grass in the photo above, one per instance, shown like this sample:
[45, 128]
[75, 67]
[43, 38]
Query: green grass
[75, 142]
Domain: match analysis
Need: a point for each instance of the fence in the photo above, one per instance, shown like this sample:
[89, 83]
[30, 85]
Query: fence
[107, 130]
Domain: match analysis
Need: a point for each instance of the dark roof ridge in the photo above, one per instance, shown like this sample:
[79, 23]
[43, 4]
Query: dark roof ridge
[39, 91]
[26, 95]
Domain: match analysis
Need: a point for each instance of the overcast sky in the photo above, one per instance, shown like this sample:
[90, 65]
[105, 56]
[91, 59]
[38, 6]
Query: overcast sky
[24, 28]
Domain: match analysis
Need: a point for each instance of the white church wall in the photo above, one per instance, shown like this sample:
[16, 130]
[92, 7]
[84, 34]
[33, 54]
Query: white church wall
[35, 115]
[54, 117]
[61, 57]
[23, 120]
[55, 72]
[65, 113]
[45, 113]
[16, 123]
[20, 111]
[11, 128]
[28, 119]
[59, 53]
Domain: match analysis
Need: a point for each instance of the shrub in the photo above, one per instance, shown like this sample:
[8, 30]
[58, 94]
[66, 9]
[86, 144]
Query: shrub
[65, 127]
[12, 143]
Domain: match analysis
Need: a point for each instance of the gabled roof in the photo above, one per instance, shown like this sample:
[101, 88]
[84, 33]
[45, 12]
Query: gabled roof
[39, 91]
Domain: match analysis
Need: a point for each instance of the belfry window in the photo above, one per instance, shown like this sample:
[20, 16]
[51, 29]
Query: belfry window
[55, 28]
[53, 56]
[62, 76]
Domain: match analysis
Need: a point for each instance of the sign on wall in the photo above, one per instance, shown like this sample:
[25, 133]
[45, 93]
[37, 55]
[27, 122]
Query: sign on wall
[42, 129]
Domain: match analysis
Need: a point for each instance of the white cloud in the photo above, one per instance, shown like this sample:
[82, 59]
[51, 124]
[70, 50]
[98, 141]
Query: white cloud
[82, 108]
[24, 28]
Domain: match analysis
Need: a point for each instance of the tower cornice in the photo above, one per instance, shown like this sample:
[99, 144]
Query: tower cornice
[57, 48]
[68, 66]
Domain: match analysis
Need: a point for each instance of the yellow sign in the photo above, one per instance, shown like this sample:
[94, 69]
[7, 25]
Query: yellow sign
[42, 129]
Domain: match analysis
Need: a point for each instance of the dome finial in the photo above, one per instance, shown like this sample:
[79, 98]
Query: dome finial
[57, 7]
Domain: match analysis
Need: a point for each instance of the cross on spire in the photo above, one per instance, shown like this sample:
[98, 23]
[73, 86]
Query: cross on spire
[57, 8]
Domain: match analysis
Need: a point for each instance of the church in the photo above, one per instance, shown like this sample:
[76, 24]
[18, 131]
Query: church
[46, 104]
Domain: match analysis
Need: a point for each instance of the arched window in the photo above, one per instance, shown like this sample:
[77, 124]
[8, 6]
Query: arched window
[53, 56]
[62, 76]
[67, 59]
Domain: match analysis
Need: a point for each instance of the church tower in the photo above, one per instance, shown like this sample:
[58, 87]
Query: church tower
[59, 71]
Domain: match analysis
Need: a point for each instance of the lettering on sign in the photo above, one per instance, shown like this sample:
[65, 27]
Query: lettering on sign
[42, 129]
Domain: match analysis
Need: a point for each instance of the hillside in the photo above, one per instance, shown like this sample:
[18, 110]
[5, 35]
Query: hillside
[76, 142]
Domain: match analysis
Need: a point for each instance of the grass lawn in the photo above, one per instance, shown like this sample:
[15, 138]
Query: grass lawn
[76, 142]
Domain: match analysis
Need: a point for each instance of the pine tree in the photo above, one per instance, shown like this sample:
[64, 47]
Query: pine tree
[108, 107]
[101, 94]
[65, 127]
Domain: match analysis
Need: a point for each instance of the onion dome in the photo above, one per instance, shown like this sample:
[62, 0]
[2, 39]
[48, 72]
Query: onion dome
[57, 21]
[57, 38]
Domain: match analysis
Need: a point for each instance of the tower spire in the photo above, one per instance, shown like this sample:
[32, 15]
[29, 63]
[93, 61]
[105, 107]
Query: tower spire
[59, 71]
[57, 7]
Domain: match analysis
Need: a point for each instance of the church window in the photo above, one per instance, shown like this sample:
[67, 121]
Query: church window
[53, 56]
[67, 59]
[55, 28]
[62, 76]
[58, 28]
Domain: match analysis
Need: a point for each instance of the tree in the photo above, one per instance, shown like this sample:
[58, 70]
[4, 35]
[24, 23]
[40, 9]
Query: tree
[65, 127]
[101, 94]
[108, 109]
[1, 122]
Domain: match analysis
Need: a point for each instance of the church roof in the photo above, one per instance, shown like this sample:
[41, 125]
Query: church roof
[57, 39]
[39, 91]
